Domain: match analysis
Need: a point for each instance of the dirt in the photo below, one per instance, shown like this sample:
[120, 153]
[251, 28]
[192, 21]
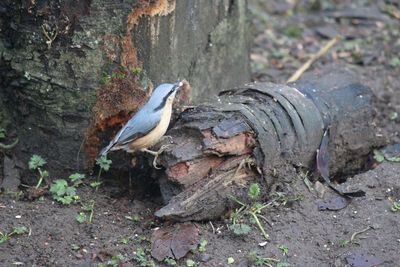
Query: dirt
[285, 37]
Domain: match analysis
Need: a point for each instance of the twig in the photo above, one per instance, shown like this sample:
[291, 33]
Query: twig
[353, 236]
[91, 212]
[50, 36]
[212, 226]
[8, 147]
[314, 58]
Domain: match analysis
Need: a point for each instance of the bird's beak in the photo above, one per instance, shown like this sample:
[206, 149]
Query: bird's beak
[178, 84]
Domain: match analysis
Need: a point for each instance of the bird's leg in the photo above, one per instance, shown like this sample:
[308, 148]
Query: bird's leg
[155, 154]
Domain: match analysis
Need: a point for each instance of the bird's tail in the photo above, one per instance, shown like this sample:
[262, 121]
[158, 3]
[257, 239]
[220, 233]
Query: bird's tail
[106, 149]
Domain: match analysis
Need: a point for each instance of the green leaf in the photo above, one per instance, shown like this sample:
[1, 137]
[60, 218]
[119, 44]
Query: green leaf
[20, 230]
[59, 187]
[116, 260]
[104, 163]
[71, 191]
[190, 263]
[124, 241]
[284, 249]
[240, 229]
[203, 245]
[81, 217]
[254, 191]
[95, 184]
[396, 206]
[136, 71]
[378, 156]
[2, 133]
[293, 31]
[44, 173]
[283, 264]
[170, 262]
[75, 247]
[3, 238]
[395, 62]
[36, 162]
[66, 200]
[76, 176]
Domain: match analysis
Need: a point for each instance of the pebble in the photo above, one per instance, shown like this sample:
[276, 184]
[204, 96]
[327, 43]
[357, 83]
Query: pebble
[205, 257]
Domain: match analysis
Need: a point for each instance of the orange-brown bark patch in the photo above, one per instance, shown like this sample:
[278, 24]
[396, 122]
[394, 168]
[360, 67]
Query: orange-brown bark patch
[145, 8]
[237, 145]
[188, 173]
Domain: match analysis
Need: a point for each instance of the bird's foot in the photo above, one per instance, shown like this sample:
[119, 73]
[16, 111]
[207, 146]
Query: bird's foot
[169, 137]
[156, 154]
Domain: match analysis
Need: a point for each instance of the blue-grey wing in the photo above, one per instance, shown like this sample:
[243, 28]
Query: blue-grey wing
[139, 125]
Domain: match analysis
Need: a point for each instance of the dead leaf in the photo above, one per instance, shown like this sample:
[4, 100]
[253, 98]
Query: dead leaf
[174, 241]
[336, 203]
[323, 157]
[361, 259]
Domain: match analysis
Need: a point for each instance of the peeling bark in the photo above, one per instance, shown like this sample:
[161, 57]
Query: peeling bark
[264, 132]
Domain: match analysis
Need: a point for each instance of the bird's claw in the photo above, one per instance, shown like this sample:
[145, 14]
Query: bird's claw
[156, 154]
[169, 137]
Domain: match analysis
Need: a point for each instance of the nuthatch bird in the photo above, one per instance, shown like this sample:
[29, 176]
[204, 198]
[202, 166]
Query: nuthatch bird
[148, 125]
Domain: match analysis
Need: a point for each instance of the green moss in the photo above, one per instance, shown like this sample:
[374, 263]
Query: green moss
[293, 31]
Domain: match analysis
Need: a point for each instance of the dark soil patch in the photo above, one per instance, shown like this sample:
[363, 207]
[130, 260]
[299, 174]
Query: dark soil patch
[285, 38]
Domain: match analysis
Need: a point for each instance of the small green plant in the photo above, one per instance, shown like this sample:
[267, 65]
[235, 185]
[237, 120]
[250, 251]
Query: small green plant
[86, 215]
[4, 237]
[135, 218]
[254, 191]
[116, 260]
[75, 247]
[2, 133]
[262, 261]
[203, 245]
[284, 249]
[141, 258]
[253, 210]
[104, 165]
[344, 243]
[77, 179]
[395, 206]
[170, 262]
[240, 228]
[35, 163]
[282, 198]
[65, 193]
[293, 31]
[124, 241]
[81, 217]
[137, 71]
[105, 79]
[379, 156]
[62, 192]
[190, 263]
[393, 115]
[395, 62]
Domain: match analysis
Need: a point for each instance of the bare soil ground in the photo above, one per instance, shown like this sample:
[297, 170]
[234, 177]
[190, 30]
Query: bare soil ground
[286, 35]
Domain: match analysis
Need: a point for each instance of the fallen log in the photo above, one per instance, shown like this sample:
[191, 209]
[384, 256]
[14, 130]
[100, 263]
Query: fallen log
[263, 132]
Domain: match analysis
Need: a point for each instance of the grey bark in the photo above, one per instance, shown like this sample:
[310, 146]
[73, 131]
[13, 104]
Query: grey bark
[55, 56]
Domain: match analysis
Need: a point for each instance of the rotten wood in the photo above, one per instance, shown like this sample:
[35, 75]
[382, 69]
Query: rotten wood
[263, 132]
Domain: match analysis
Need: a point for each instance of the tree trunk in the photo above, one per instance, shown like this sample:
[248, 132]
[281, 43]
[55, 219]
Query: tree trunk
[264, 130]
[70, 70]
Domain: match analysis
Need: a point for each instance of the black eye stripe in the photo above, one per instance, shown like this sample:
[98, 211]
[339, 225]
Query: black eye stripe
[164, 100]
